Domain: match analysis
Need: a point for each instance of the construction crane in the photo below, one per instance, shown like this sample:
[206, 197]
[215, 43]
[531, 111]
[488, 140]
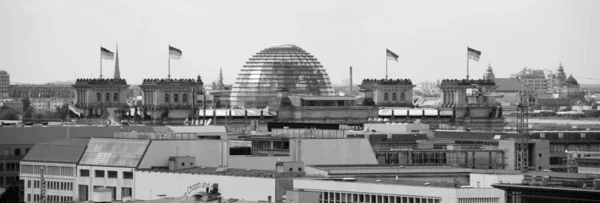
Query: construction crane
[526, 99]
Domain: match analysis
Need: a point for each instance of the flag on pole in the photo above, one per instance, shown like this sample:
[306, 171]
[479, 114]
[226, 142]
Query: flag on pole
[473, 54]
[175, 53]
[391, 55]
[107, 54]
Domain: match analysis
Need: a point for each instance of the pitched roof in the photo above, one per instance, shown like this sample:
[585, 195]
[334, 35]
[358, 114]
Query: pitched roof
[114, 152]
[68, 150]
[510, 85]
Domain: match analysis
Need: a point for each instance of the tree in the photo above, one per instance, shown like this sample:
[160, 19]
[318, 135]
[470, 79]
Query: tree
[8, 115]
[28, 113]
[26, 103]
[11, 195]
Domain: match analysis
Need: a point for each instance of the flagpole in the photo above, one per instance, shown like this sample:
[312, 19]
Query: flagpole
[100, 61]
[169, 55]
[467, 62]
[386, 64]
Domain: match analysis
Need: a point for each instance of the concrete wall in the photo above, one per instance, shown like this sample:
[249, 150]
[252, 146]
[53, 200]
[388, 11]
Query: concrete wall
[255, 162]
[481, 180]
[335, 151]
[151, 184]
[207, 152]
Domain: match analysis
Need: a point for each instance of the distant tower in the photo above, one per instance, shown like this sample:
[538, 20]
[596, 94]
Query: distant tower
[560, 74]
[489, 75]
[221, 77]
[117, 74]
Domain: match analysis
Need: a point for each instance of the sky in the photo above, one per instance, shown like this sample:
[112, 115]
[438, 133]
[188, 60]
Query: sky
[51, 40]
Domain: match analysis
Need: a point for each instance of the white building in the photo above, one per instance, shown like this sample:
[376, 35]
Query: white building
[49, 104]
[58, 162]
[395, 190]
[109, 163]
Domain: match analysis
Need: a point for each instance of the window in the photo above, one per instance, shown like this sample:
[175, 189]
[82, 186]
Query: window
[127, 175]
[17, 152]
[184, 98]
[99, 174]
[126, 192]
[299, 169]
[175, 97]
[182, 164]
[385, 96]
[166, 98]
[393, 96]
[98, 97]
[401, 96]
[107, 97]
[290, 169]
[28, 183]
[112, 174]
[1, 167]
[116, 97]
[29, 197]
[84, 173]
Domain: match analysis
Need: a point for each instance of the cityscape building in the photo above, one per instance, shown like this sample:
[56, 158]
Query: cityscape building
[101, 96]
[4, 83]
[41, 91]
[389, 92]
[173, 99]
[279, 67]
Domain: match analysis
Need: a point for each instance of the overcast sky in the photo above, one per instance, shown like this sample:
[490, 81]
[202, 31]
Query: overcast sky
[51, 40]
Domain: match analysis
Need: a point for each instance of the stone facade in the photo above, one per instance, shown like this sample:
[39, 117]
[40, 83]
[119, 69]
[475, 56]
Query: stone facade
[98, 94]
[170, 98]
[389, 92]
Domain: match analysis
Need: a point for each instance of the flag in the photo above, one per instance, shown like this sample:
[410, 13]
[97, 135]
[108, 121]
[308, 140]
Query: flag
[391, 55]
[473, 54]
[107, 54]
[175, 53]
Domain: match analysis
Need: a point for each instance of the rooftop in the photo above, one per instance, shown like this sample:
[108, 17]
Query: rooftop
[446, 82]
[386, 82]
[68, 150]
[114, 152]
[393, 181]
[217, 171]
[100, 81]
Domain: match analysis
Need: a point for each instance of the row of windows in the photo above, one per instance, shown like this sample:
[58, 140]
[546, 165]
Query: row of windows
[386, 96]
[102, 174]
[9, 167]
[336, 197]
[15, 152]
[50, 198]
[184, 98]
[48, 170]
[478, 200]
[107, 97]
[9, 180]
[52, 185]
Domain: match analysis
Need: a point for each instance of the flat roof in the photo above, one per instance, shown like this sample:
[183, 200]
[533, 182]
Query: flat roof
[216, 171]
[321, 98]
[505, 186]
[390, 181]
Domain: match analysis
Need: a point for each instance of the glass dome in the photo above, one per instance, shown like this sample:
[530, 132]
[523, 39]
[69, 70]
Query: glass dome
[279, 67]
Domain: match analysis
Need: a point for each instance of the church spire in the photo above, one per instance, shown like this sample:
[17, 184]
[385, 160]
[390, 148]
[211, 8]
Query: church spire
[117, 71]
